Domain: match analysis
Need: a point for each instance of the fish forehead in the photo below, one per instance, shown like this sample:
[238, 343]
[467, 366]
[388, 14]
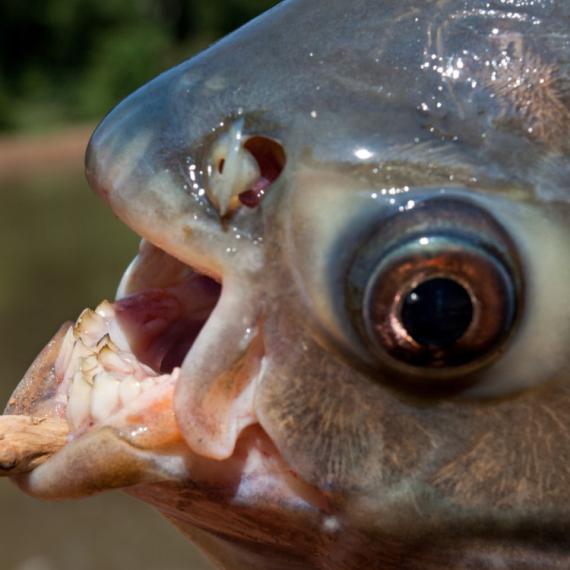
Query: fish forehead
[370, 82]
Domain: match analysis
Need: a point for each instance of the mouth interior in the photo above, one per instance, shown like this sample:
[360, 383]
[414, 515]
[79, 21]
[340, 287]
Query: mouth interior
[161, 324]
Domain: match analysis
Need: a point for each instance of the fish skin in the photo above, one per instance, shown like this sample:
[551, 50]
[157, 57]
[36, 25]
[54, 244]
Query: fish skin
[374, 110]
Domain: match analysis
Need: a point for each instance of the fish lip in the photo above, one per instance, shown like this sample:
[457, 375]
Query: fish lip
[35, 393]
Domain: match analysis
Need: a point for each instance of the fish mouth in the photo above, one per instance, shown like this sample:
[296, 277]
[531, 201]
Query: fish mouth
[113, 376]
[124, 354]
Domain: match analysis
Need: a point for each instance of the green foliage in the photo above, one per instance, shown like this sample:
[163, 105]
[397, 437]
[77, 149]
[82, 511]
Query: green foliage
[122, 60]
[73, 60]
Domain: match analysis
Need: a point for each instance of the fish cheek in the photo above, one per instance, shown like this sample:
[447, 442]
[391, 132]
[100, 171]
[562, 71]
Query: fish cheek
[385, 460]
[334, 427]
[514, 457]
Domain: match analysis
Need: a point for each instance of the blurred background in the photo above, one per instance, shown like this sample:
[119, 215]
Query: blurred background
[63, 65]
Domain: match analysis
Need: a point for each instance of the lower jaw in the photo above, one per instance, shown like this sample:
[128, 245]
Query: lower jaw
[86, 357]
[145, 422]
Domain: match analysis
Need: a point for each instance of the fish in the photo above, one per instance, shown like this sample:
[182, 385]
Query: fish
[343, 342]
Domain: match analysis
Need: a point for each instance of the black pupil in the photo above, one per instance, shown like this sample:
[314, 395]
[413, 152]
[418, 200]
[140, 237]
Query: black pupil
[437, 312]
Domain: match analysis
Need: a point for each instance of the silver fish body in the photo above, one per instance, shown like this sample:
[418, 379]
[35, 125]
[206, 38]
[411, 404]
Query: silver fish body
[343, 343]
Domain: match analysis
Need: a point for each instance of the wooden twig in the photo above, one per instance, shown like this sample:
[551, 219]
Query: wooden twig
[26, 442]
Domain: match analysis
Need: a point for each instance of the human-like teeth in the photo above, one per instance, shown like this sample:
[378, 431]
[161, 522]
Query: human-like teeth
[64, 357]
[79, 400]
[105, 396]
[99, 375]
[112, 361]
[79, 353]
[90, 322]
[107, 342]
[129, 389]
[105, 309]
[107, 312]
[90, 366]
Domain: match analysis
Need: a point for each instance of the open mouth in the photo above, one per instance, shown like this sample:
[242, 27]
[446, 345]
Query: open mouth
[126, 353]
[134, 346]
[160, 385]
[119, 367]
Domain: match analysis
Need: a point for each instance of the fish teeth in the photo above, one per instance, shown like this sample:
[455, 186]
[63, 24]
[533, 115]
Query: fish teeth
[102, 375]
[79, 400]
[105, 310]
[65, 354]
[105, 396]
[112, 330]
[81, 350]
[79, 353]
[89, 321]
[113, 362]
[147, 383]
[129, 389]
[90, 366]
[163, 377]
[107, 342]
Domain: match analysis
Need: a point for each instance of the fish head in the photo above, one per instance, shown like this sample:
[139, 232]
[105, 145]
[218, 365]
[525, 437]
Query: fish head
[343, 341]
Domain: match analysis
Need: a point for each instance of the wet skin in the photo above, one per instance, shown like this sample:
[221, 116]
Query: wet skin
[382, 379]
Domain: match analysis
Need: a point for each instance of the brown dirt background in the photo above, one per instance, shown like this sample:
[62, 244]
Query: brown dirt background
[41, 155]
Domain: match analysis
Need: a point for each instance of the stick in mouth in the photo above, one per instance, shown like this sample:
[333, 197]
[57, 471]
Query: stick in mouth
[27, 442]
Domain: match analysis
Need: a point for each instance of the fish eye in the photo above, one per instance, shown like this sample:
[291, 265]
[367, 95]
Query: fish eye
[436, 292]
[437, 311]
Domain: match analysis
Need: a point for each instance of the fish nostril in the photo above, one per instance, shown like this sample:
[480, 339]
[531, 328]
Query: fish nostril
[270, 156]
[241, 169]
